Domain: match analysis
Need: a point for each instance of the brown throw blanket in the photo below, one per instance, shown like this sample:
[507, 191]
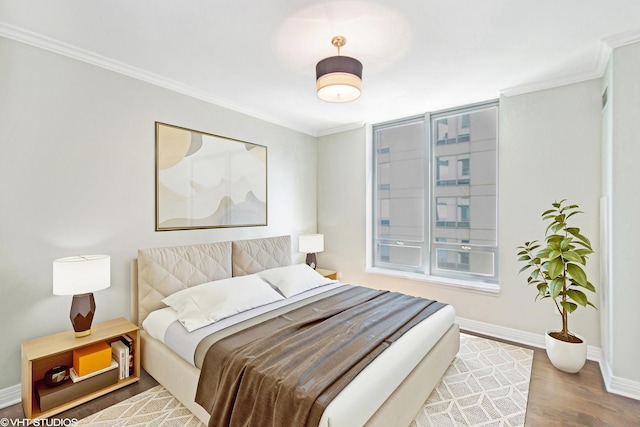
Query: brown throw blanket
[285, 371]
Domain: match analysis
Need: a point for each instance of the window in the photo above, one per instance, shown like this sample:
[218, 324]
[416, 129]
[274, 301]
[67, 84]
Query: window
[463, 170]
[452, 170]
[435, 194]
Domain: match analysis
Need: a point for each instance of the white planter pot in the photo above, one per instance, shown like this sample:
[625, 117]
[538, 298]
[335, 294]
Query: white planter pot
[566, 356]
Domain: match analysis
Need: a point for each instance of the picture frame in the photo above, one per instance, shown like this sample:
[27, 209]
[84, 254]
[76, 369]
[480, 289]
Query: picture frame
[205, 180]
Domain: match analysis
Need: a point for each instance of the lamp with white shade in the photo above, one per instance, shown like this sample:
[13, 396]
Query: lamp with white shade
[80, 276]
[311, 244]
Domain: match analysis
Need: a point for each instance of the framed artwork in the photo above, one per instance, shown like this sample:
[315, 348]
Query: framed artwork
[208, 181]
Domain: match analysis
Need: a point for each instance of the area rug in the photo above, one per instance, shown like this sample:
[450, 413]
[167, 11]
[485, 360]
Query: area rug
[155, 407]
[486, 385]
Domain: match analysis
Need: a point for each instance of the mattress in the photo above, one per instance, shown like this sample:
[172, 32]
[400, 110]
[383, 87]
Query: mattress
[379, 378]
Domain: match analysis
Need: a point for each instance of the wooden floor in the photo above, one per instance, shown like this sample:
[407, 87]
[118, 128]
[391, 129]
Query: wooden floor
[555, 399]
[558, 399]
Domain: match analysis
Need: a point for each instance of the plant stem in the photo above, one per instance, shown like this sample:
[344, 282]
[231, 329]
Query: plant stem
[565, 315]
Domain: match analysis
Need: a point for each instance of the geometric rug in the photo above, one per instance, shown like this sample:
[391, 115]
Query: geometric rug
[152, 408]
[486, 385]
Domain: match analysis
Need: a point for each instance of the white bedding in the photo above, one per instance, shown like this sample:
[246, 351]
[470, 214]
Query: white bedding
[375, 382]
[161, 324]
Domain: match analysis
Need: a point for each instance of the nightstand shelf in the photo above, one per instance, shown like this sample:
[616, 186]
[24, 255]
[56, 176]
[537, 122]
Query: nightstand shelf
[329, 274]
[41, 354]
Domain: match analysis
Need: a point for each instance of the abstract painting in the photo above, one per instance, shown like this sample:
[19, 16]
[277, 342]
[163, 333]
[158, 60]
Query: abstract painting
[208, 181]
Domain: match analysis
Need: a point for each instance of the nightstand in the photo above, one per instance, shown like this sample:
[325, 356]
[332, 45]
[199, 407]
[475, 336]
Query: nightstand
[329, 274]
[41, 354]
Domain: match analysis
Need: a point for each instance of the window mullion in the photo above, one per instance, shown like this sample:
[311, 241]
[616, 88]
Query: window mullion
[428, 184]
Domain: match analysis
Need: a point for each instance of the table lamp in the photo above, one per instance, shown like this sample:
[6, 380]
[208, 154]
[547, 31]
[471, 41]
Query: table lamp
[311, 243]
[80, 276]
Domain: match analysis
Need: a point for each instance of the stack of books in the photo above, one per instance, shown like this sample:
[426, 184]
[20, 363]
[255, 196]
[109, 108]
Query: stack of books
[122, 352]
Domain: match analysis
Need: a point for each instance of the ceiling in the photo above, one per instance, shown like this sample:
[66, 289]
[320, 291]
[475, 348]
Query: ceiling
[258, 57]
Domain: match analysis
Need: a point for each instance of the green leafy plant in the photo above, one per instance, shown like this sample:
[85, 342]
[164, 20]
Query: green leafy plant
[556, 265]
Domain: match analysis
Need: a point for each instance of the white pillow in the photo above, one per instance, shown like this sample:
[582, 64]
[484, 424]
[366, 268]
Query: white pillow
[294, 279]
[207, 303]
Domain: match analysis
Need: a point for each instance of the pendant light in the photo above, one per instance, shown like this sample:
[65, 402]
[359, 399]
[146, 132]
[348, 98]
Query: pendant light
[338, 78]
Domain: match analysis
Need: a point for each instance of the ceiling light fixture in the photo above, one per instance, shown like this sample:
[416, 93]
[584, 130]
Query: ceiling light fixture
[338, 78]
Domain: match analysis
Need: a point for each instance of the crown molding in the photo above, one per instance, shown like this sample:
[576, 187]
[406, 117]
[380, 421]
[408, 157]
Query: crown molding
[339, 129]
[556, 82]
[34, 39]
[606, 47]
[596, 73]
[623, 39]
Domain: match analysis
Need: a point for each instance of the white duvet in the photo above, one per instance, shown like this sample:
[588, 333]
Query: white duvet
[374, 381]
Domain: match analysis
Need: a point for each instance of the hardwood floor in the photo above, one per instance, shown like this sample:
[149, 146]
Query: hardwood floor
[555, 399]
[559, 399]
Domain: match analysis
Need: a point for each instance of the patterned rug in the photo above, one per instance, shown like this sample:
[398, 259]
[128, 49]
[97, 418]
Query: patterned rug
[155, 407]
[486, 385]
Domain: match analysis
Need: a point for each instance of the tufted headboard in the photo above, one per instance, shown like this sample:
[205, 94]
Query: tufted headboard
[159, 272]
[253, 256]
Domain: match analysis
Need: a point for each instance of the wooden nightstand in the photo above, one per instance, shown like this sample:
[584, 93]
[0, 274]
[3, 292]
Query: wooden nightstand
[329, 274]
[41, 354]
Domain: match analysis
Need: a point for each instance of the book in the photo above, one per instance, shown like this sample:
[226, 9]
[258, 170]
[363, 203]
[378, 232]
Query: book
[77, 378]
[121, 354]
[128, 341]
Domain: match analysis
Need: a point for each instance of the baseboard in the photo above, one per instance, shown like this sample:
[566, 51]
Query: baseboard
[617, 385]
[522, 337]
[10, 396]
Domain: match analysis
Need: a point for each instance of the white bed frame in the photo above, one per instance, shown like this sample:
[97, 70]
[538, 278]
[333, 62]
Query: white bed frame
[249, 256]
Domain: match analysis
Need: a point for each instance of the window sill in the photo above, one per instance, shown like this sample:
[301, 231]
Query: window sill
[493, 288]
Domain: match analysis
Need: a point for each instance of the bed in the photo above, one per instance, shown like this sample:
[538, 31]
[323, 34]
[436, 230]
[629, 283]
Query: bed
[389, 391]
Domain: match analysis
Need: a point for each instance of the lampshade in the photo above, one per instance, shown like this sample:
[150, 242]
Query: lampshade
[311, 243]
[338, 78]
[81, 274]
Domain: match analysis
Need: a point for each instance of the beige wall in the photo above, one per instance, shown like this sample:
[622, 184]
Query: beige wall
[549, 149]
[77, 177]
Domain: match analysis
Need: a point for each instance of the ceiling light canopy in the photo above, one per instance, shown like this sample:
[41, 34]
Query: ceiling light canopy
[338, 78]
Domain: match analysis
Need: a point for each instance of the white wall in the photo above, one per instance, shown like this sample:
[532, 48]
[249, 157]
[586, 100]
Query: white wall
[549, 149]
[605, 297]
[623, 171]
[341, 202]
[77, 168]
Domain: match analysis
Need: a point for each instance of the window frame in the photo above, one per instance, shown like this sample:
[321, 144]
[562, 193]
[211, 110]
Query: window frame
[399, 243]
[428, 270]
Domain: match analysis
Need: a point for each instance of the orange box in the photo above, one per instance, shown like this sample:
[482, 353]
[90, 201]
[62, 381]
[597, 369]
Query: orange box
[91, 358]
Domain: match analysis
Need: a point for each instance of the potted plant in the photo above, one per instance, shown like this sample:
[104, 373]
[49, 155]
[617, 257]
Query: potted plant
[556, 269]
